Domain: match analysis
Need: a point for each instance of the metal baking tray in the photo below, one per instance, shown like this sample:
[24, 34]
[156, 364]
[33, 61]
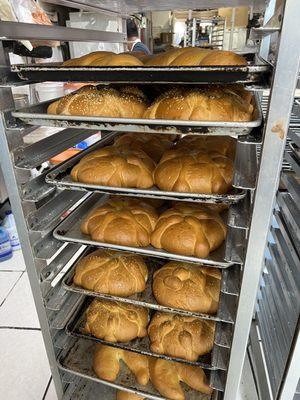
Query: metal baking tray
[218, 358]
[37, 115]
[144, 74]
[229, 253]
[78, 360]
[61, 178]
[230, 285]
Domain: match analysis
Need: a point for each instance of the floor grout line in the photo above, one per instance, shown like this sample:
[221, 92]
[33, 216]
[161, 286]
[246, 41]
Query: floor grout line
[47, 388]
[25, 328]
[12, 287]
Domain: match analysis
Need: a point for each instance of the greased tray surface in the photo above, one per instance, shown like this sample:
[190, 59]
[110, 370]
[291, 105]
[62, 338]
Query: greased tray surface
[78, 360]
[231, 251]
[37, 115]
[230, 284]
[217, 359]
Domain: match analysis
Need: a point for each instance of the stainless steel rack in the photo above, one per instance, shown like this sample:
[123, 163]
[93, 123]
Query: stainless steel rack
[40, 206]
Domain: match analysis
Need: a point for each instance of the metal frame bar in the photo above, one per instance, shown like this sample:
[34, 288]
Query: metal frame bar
[276, 128]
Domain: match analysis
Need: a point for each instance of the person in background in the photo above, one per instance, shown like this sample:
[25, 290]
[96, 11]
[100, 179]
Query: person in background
[133, 40]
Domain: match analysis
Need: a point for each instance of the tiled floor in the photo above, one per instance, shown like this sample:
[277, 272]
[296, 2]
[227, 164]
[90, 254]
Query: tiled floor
[24, 372]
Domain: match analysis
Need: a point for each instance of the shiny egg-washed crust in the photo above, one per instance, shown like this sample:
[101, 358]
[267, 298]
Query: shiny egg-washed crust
[187, 286]
[179, 336]
[124, 222]
[116, 166]
[112, 272]
[103, 59]
[115, 321]
[107, 360]
[153, 145]
[190, 230]
[124, 102]
[201, 104]
[224, 145]
[122, 395]
[166, 377]
[194, 171]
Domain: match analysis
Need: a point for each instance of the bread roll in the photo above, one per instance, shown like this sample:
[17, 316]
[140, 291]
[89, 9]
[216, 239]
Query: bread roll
[153, 145]
[121, 222]
[187, 286]
[111, 272]
[115, 166]
[200, 104]
[124, 102]
[52, 108]
[104, 59]
[179, 336]
[190, 230]
[166, 377]
[188, 56]
[164, 59]
[106, 363]
[222, 57]
[194, 171]
[122, 395]
[116, 322]
[224, 145]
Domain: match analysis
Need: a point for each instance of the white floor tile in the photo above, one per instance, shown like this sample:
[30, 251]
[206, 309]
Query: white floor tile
[247, 390]
[51, 394]
[24, 371]
[16, 263]
[18, 310]
[7, 280]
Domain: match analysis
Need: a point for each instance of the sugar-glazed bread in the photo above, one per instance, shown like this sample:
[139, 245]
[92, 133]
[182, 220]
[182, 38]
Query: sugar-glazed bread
[153, 145]
[187, 286]
[121, 221]
[122, 395]
[124, 102]
[106, 363]
[115, 166]
[166, 377]
[191, 230]
[195, 171]
[179, 336]
[103, 59]
[200, 104]
[116, 322]
[112, 272]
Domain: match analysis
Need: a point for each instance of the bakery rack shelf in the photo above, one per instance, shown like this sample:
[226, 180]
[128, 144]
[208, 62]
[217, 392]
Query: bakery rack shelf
[217, 359]
[232, 252]
[37, 115]
[77, 358]
[230, 283]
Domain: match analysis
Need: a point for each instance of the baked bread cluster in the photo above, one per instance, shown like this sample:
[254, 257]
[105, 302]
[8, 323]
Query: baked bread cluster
[115, 321]
[99, 101]
[165, 376]
[112, 272]
[187, 286]
[103, 59]
[181, 337]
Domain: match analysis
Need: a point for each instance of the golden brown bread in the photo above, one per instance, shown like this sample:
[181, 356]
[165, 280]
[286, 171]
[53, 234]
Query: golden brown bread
[115, 322]
[122, 395]
[166, 377]
[191, 230]
[179, 336]
[153, 145]
[222, 57]
[52, 108]
[124, 102]
[200, 104]
[116, 166]
[104, 59]
[224, 145]
[106, 363]
[112, 272]
[164, 59]
[123, 221]
[194, 171]
[187, 286]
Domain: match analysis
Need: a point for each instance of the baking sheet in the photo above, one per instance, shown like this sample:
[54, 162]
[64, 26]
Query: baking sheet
[230, 284]
[229, 253]
[37, 115]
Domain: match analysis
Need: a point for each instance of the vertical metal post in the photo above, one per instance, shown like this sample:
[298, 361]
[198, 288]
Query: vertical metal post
[232, 21]
[276, 127]
[194, 32]
[14, 196]
[265, 43]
